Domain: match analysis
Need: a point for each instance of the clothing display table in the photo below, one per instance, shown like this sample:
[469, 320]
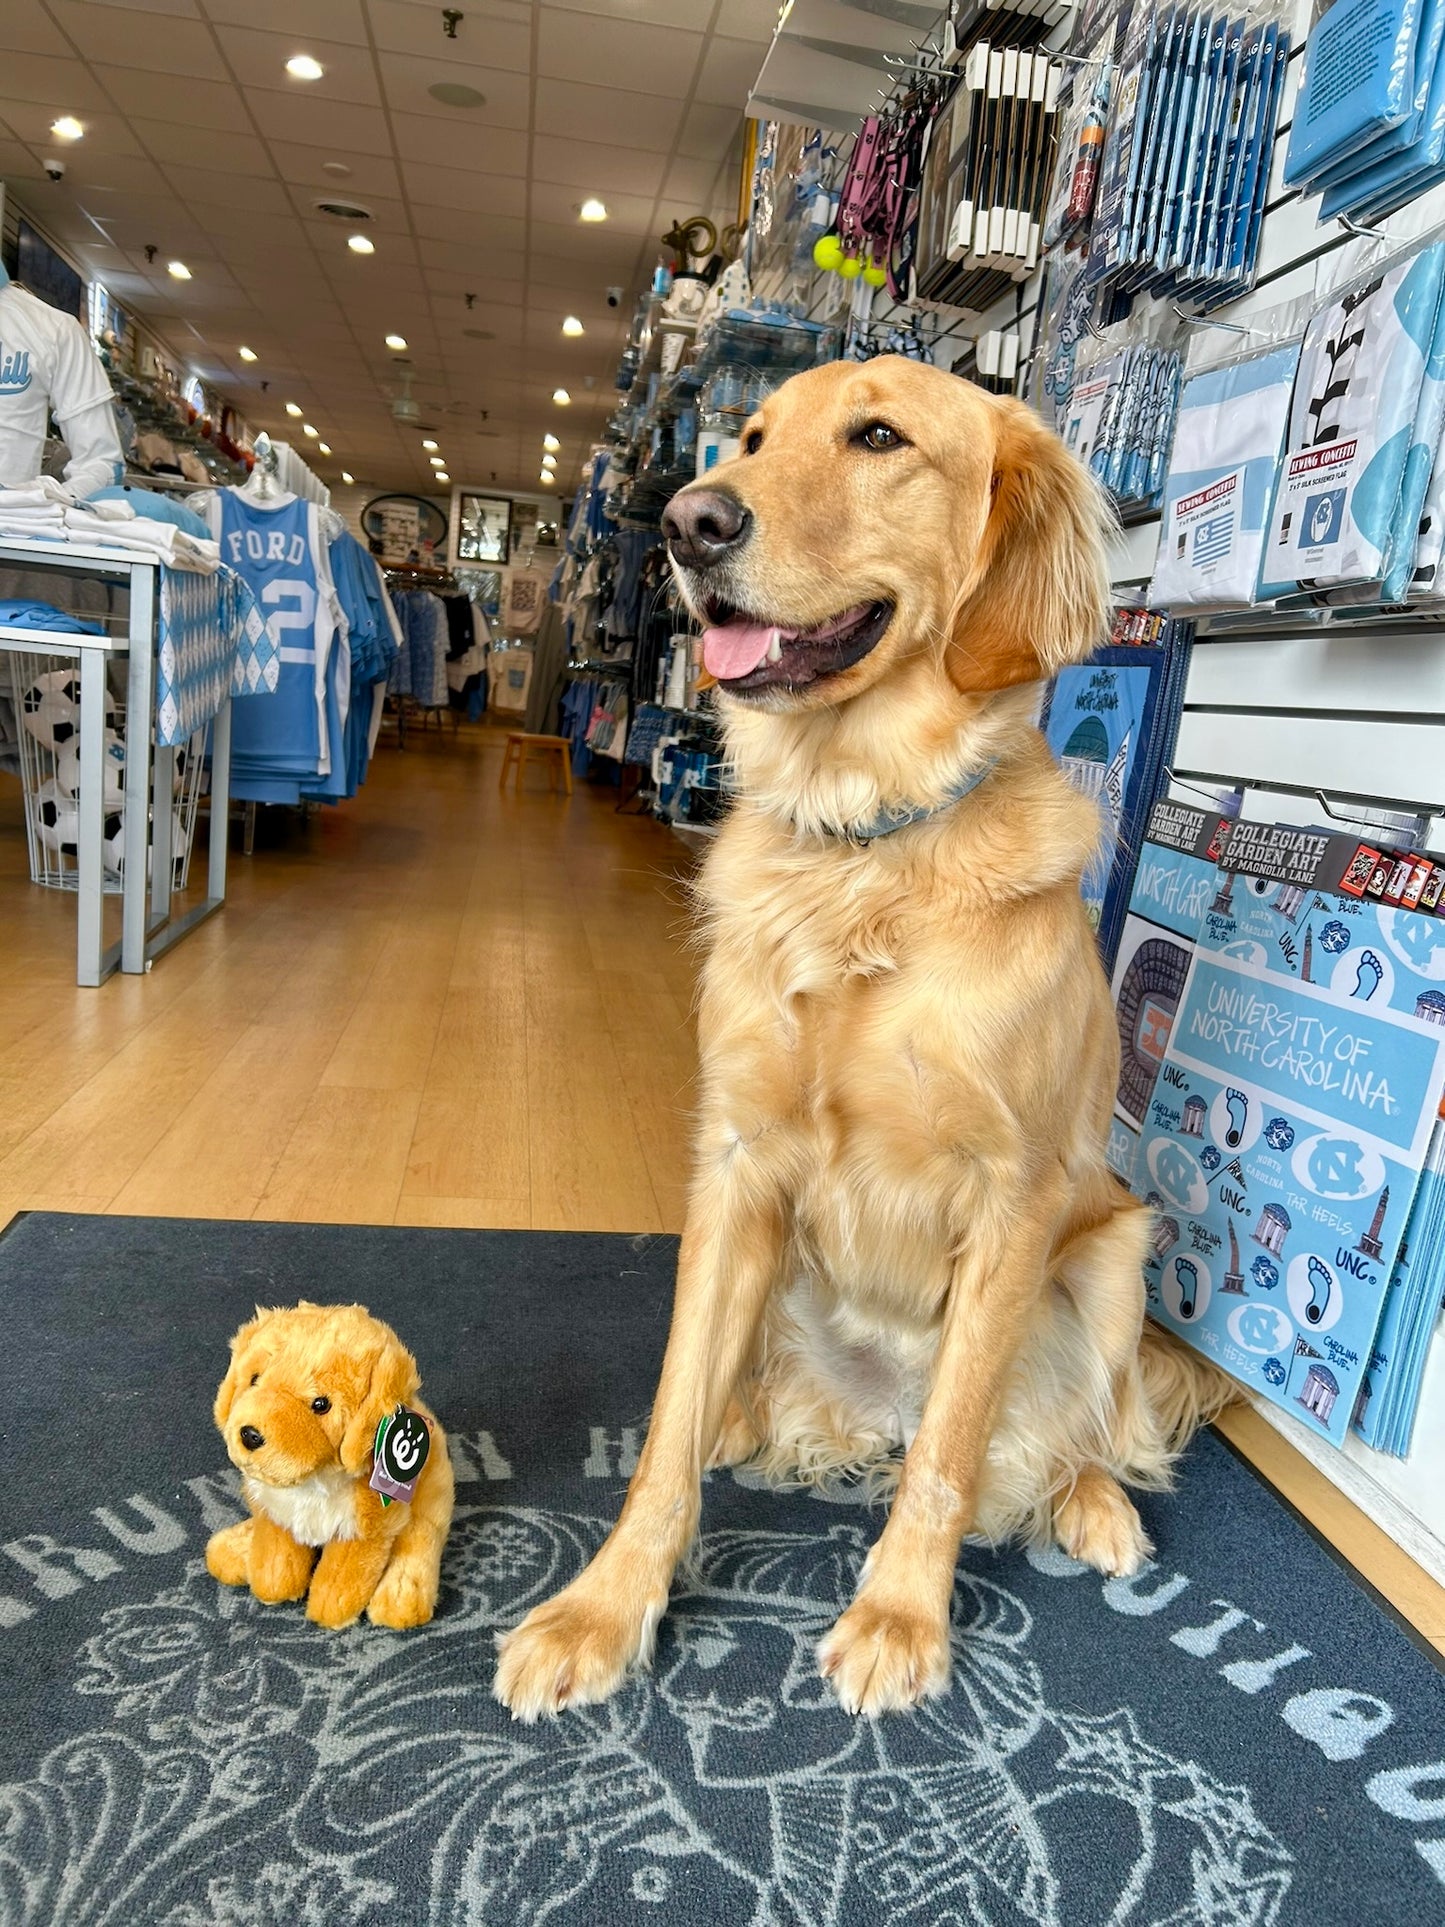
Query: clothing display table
[148, 927]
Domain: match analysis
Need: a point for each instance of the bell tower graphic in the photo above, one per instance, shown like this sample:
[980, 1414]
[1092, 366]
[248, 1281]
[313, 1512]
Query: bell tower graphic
[1234, 1277]
[1370, 1240]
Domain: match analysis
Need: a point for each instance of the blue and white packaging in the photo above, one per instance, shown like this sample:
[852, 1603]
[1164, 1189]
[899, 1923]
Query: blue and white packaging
[1220, 485]
[1359, 80]
[1351, 425]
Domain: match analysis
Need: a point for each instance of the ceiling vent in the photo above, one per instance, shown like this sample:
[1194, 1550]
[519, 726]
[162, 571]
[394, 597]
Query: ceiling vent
[344, 210]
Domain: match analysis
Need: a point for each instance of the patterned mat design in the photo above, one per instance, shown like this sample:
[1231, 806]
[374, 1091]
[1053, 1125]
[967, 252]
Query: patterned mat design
[1237, 1737]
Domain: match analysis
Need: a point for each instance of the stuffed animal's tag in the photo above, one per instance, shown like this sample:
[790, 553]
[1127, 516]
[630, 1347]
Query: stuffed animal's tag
[403, 1441]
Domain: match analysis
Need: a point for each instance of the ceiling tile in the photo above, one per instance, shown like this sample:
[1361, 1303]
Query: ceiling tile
[604, 114]
[317, 123]
[696, 14]
[489, 234]
[455, 187]
[408, 79]
[197, 146]
[616, 53]
[730, 69]
[30, 30]
[596, 168]
[476, 266]
[503, 39]
[259, 60]
[211, 104]
[62, 86]
[707, 131]
[210, 187]
[441, 143]
[367, 174]
[300, 19]
[110, 34]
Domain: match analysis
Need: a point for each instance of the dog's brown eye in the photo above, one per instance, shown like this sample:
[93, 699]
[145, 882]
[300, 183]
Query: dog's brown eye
[752, 441]
[878, 436]
[321, 1404]
[255, 1378]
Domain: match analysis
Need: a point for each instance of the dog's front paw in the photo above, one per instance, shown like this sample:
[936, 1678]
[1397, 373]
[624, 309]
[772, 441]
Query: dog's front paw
[883, 1657]
[404, 1598]
[228, 1554]
[1097, 1525]
[574, 1650]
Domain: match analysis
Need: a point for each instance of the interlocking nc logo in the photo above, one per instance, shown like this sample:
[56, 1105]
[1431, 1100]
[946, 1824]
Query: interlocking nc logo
[1417, 939]
[1259, 1326]
[1334, 1166]
[1176, 1171]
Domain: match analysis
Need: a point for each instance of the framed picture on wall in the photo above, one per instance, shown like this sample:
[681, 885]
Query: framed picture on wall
[481, 527]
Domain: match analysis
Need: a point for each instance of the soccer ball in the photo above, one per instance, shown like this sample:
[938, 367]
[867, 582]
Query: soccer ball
[67, 769]
[57, 821]
[112, 841]
[50, 708]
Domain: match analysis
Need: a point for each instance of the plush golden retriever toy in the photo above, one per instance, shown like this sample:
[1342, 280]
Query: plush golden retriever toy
[320, 1416]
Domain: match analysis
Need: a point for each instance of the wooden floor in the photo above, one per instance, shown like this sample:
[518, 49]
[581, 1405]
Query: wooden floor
[437, 1005]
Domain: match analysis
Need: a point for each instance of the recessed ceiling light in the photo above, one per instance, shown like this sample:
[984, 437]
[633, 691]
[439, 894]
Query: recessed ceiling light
[323, 448]
[303, 67]
[337, 168]
[292, 409]
[430, 446]
[549, 461]
[67, 128]
[437, 461]
[452, 93]
[561, 397]
[361, 244]
[307, 429]
[479, 334]
[348, 478]
[246, 354]
[572, 326]
[442, 477]
[547, 476]
[396, 343]
[592, 210]
[551, 442]
[178, 271]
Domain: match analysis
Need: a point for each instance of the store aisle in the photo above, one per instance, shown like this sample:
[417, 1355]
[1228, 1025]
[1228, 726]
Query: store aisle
[440, 1006]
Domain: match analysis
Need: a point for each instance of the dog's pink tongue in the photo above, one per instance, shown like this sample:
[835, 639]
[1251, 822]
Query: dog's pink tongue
[737, 649]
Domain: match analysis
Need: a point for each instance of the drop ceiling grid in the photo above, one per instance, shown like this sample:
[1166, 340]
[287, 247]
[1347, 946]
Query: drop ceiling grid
[238, 205]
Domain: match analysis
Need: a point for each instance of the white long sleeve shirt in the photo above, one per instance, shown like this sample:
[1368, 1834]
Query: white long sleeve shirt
[47, 366]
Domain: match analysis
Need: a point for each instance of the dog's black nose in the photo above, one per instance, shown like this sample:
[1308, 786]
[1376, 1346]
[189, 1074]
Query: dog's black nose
[251, 1438]
[703, 526]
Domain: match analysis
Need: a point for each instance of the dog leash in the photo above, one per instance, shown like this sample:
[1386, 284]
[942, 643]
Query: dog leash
[889, 822]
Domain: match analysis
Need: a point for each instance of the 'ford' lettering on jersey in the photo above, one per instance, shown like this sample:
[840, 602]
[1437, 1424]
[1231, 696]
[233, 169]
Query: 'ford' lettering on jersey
[14, 370]
[266, 545]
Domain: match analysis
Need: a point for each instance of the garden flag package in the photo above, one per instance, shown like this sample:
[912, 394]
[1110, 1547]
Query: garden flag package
[1221, 481]
[1359, 81]
[1293, 1114]
[1335, 517]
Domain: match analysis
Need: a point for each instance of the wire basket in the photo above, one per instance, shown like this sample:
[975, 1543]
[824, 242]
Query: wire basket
[46, 690]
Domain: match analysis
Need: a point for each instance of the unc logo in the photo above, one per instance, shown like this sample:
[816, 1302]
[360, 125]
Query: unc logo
[1335, 938]
[1279, 1134]
[1177, 1173]
[1334, 1166]
[1260, 1329]
[1418, 942]
[1274, 1371]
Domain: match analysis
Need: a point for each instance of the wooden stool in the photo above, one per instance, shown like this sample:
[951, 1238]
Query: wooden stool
[520, 745]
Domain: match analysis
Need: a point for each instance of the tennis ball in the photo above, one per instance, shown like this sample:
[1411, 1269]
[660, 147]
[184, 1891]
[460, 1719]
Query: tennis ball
[874, 275]
[827, 251]
[850, 267]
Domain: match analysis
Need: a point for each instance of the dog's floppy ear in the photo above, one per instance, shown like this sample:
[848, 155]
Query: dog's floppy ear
[241, 1366]
[1043, 597]
[394, 1377]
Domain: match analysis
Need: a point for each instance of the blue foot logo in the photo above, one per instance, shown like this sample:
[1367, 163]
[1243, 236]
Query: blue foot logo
[1369, 975]
[1237, 1104]
[1187, 1272]
[1320, 1285]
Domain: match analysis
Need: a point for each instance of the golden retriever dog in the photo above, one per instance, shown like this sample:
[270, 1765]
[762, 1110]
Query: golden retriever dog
[901, 1229]
[299, 1409]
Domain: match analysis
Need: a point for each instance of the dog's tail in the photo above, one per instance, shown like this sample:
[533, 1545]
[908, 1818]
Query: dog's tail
[1183, 1390]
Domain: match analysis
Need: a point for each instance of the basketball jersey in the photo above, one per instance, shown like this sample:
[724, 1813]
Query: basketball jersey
[280, 550]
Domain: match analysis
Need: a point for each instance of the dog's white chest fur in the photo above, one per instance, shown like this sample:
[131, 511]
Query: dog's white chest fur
[315, 1512]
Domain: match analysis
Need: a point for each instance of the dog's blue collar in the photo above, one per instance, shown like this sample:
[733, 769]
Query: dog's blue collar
[887, 822]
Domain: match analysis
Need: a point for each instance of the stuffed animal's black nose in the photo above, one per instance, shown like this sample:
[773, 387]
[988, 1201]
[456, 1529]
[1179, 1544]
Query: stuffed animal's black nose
[251, 1438]
[703, 526]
